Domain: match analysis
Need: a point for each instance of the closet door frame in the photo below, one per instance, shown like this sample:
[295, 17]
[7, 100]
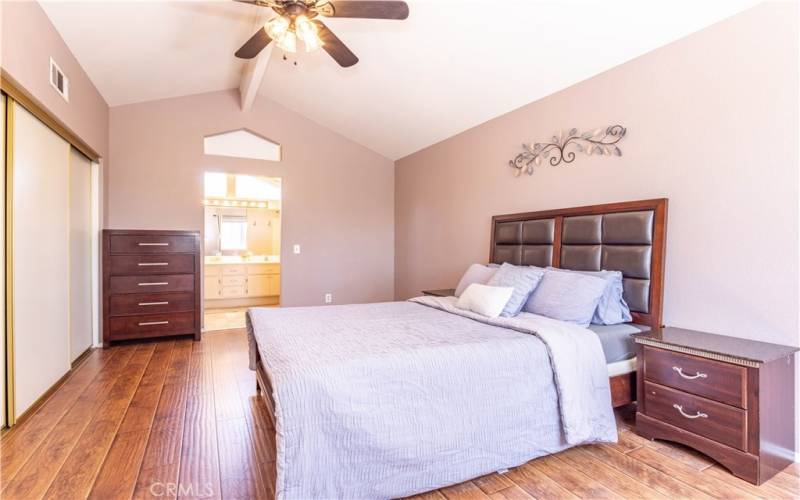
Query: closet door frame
[17, 96]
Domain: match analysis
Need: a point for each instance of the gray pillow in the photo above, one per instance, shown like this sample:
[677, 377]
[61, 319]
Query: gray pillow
[567, 296]
[522, 278]
[612, 308]
[476, 273]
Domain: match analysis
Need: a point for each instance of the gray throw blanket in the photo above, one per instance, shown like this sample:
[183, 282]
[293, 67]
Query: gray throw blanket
[391, 399]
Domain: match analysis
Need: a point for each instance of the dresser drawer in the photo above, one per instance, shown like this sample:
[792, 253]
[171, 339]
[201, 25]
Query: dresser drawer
[716, 421]
[151, 243]
[722, 382]
[152, 264]
[151, 325]
[150, 284]
[151, 303]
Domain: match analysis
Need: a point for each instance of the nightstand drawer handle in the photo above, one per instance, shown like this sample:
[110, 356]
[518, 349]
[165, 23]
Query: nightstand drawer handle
[153, 263]
[153, 244]
[155, 283]
[152, 323]
[697, 415]
[165, 303]
[690, 377]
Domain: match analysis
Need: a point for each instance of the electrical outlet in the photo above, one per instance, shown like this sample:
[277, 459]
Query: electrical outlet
[328, 298]
[296, 249]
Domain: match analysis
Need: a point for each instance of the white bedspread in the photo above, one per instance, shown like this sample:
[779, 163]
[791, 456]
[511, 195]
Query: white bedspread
[391, 399]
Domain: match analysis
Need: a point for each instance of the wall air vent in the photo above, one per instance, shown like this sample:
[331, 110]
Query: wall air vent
[58, 80]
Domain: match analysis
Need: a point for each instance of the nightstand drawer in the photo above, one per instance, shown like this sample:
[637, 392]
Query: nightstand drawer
[721, 382]
[716, 421]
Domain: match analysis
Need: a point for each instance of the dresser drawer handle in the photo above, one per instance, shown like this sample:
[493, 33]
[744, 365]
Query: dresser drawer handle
[153, 303]
[153, 263]
[155, 283]
[689, 377]
[697, 415]
[151, 323]
[153, 244]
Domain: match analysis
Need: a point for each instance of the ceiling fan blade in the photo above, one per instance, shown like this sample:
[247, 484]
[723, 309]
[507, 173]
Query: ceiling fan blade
[256, 44]
[334, 47]
[370, 9]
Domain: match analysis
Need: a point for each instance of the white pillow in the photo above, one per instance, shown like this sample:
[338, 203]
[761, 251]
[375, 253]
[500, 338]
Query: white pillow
[476, 273]
[484, 299]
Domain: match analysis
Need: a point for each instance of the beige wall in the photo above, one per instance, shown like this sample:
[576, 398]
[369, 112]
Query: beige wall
[29, 40]
[338, 197]
[712, 125]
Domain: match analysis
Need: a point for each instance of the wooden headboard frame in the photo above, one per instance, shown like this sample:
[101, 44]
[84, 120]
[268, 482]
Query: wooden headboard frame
[654, 316]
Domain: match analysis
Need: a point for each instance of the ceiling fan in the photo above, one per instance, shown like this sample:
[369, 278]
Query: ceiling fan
[298, 19]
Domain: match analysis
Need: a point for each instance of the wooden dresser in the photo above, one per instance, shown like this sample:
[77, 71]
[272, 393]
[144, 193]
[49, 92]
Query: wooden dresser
[730, 398]
[151, 284]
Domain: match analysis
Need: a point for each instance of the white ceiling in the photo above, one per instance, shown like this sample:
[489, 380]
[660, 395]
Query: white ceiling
[451, 65]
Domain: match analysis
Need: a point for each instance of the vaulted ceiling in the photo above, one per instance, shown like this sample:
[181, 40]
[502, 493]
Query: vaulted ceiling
[451, 65]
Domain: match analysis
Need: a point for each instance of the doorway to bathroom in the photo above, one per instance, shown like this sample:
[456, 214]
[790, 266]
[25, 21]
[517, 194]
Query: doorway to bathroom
[242, 240]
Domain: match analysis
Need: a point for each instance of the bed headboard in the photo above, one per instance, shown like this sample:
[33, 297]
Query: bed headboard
[629, 237]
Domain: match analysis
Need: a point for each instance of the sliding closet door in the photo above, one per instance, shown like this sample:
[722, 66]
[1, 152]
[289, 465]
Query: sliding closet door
[40, 233]
[80, 254]
[3, 395]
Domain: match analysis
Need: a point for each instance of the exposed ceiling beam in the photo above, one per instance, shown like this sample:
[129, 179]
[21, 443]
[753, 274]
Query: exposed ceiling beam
[254, 69]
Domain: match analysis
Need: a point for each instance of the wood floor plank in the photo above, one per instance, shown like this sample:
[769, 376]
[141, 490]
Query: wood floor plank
[492, 483]
[247, 450]
[117, 477]
[37, 473]
[513, 492]
[793, 469]
[160, 469]
[787, 482]
[766, 490]
[239, 467]
[199, 465]
[430, 495]
[77, 475]
[537, 484]
[629, 441]
[153, 429]
[688, 474]
[643, 473]
[608, 476]
[23, 440]
[572, 479]
[464, 491]
[683, 454]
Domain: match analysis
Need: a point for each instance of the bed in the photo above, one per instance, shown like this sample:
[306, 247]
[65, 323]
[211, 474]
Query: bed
[392, 399]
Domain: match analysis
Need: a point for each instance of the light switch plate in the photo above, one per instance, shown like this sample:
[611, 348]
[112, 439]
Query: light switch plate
[328, 298]
[296, 249]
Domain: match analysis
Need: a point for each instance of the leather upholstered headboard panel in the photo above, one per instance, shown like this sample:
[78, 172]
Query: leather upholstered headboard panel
[629, 237]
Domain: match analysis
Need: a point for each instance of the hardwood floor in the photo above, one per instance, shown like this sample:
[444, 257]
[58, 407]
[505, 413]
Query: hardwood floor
[181, 419]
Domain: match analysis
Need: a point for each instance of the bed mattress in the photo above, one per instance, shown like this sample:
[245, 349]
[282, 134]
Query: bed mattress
[616, 340]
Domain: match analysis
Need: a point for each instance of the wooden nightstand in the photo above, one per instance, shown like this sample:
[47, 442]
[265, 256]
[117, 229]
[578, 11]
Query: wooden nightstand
[730, 398]
[444, 292]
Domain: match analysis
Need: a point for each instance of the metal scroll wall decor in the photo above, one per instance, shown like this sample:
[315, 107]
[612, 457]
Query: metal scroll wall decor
[562, 148]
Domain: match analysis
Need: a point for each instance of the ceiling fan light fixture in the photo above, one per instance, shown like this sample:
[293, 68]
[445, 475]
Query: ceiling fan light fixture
[277, 27]
[307, 32]
[288, 42]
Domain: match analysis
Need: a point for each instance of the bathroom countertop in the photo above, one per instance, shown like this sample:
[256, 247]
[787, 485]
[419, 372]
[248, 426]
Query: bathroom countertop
[238, 260]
